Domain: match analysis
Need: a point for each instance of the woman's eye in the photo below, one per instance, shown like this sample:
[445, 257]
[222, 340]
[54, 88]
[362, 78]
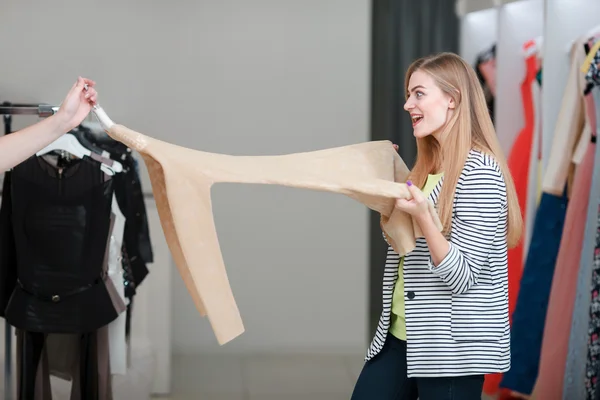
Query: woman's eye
[419, 94]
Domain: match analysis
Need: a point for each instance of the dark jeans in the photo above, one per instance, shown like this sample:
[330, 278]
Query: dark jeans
[384, 378]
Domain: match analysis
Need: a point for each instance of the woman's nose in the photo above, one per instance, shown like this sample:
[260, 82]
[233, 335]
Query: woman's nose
[408, 105]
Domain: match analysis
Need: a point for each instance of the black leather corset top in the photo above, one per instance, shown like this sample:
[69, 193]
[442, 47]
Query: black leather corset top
[61, 222]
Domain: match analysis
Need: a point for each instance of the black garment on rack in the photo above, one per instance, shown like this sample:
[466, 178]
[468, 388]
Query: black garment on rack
[30, 353]
[137, 247]
[484, 57]
[8, 256]
[61, 219]
[120, 152]
[592, 77]
[8, 274]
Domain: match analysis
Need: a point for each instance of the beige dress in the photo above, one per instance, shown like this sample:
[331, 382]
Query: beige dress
[371, 173]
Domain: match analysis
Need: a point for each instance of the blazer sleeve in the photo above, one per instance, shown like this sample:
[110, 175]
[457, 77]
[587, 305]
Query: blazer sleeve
[479, 206]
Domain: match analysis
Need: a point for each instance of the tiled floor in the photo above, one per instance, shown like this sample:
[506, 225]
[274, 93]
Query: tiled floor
[265, 377]
[260, 377]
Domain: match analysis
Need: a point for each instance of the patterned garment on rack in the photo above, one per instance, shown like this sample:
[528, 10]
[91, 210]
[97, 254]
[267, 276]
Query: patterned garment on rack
[128, 278]
[593, 356]
[593, 74]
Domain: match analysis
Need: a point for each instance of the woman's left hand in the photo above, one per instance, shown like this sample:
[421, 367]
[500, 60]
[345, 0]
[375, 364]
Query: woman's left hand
[417, 206]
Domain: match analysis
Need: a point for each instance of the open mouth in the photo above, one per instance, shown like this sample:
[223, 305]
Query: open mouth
[416, 119]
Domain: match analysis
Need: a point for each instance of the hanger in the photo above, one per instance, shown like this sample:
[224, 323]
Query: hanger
[94, 127]
[595, 31]
[534, 46]
[66, 142]
[69, 143]
[105, 122]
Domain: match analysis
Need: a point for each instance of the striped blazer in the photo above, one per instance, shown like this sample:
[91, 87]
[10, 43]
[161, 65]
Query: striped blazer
[457, 313]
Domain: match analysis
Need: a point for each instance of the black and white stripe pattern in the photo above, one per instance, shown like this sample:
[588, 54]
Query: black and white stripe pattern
[457, 313]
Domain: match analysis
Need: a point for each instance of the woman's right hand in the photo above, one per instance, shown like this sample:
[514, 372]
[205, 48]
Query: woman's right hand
[395, 146]
[77, 104]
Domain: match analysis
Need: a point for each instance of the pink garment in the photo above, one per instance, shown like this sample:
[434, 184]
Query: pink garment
[590, 110]
[549, 384]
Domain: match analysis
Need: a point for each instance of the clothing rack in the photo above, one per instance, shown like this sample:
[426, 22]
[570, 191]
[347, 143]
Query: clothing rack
[8, 110]
[41, 110]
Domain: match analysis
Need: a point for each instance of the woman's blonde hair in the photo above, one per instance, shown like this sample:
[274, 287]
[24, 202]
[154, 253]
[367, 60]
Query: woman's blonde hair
[470, 127]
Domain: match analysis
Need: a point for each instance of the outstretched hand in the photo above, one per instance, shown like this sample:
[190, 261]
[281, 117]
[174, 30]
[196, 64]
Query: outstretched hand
[78, 103]
[417, 206]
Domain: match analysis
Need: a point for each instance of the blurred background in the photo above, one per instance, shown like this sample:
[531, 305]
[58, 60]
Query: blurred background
[266, 77]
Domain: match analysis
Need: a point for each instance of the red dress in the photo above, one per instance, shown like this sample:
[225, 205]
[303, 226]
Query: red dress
[518, 164]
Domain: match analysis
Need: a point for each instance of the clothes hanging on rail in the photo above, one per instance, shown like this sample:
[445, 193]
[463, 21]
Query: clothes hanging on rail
[131, 201]
[593, 354]
[88, 368]
[544, 268]
[8, 276]
[592, 365]
[137, 246]
[117, 329]
[555, 347]
[592, 368]
[67, 268]
[61, 223]
[571, 133]
[61, 220]
[63, 348]
[578, 337]
[529, 317]
[590, 65]
[567, 320]
[522, 162]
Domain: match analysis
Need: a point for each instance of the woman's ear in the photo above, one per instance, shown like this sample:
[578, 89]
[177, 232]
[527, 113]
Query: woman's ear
[451, 104]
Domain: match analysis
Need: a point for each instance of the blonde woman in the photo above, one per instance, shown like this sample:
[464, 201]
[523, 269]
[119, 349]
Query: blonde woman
[445, 305]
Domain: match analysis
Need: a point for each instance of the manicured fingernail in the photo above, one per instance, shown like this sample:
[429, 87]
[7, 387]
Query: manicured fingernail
[409, 183]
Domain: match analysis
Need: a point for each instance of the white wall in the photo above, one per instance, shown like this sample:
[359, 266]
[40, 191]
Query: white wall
[478, 32]
[518, 22]
[566, 20]
[464, 7]
[239, 77]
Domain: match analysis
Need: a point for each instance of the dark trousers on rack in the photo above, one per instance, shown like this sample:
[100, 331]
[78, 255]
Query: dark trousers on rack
[33, 367]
